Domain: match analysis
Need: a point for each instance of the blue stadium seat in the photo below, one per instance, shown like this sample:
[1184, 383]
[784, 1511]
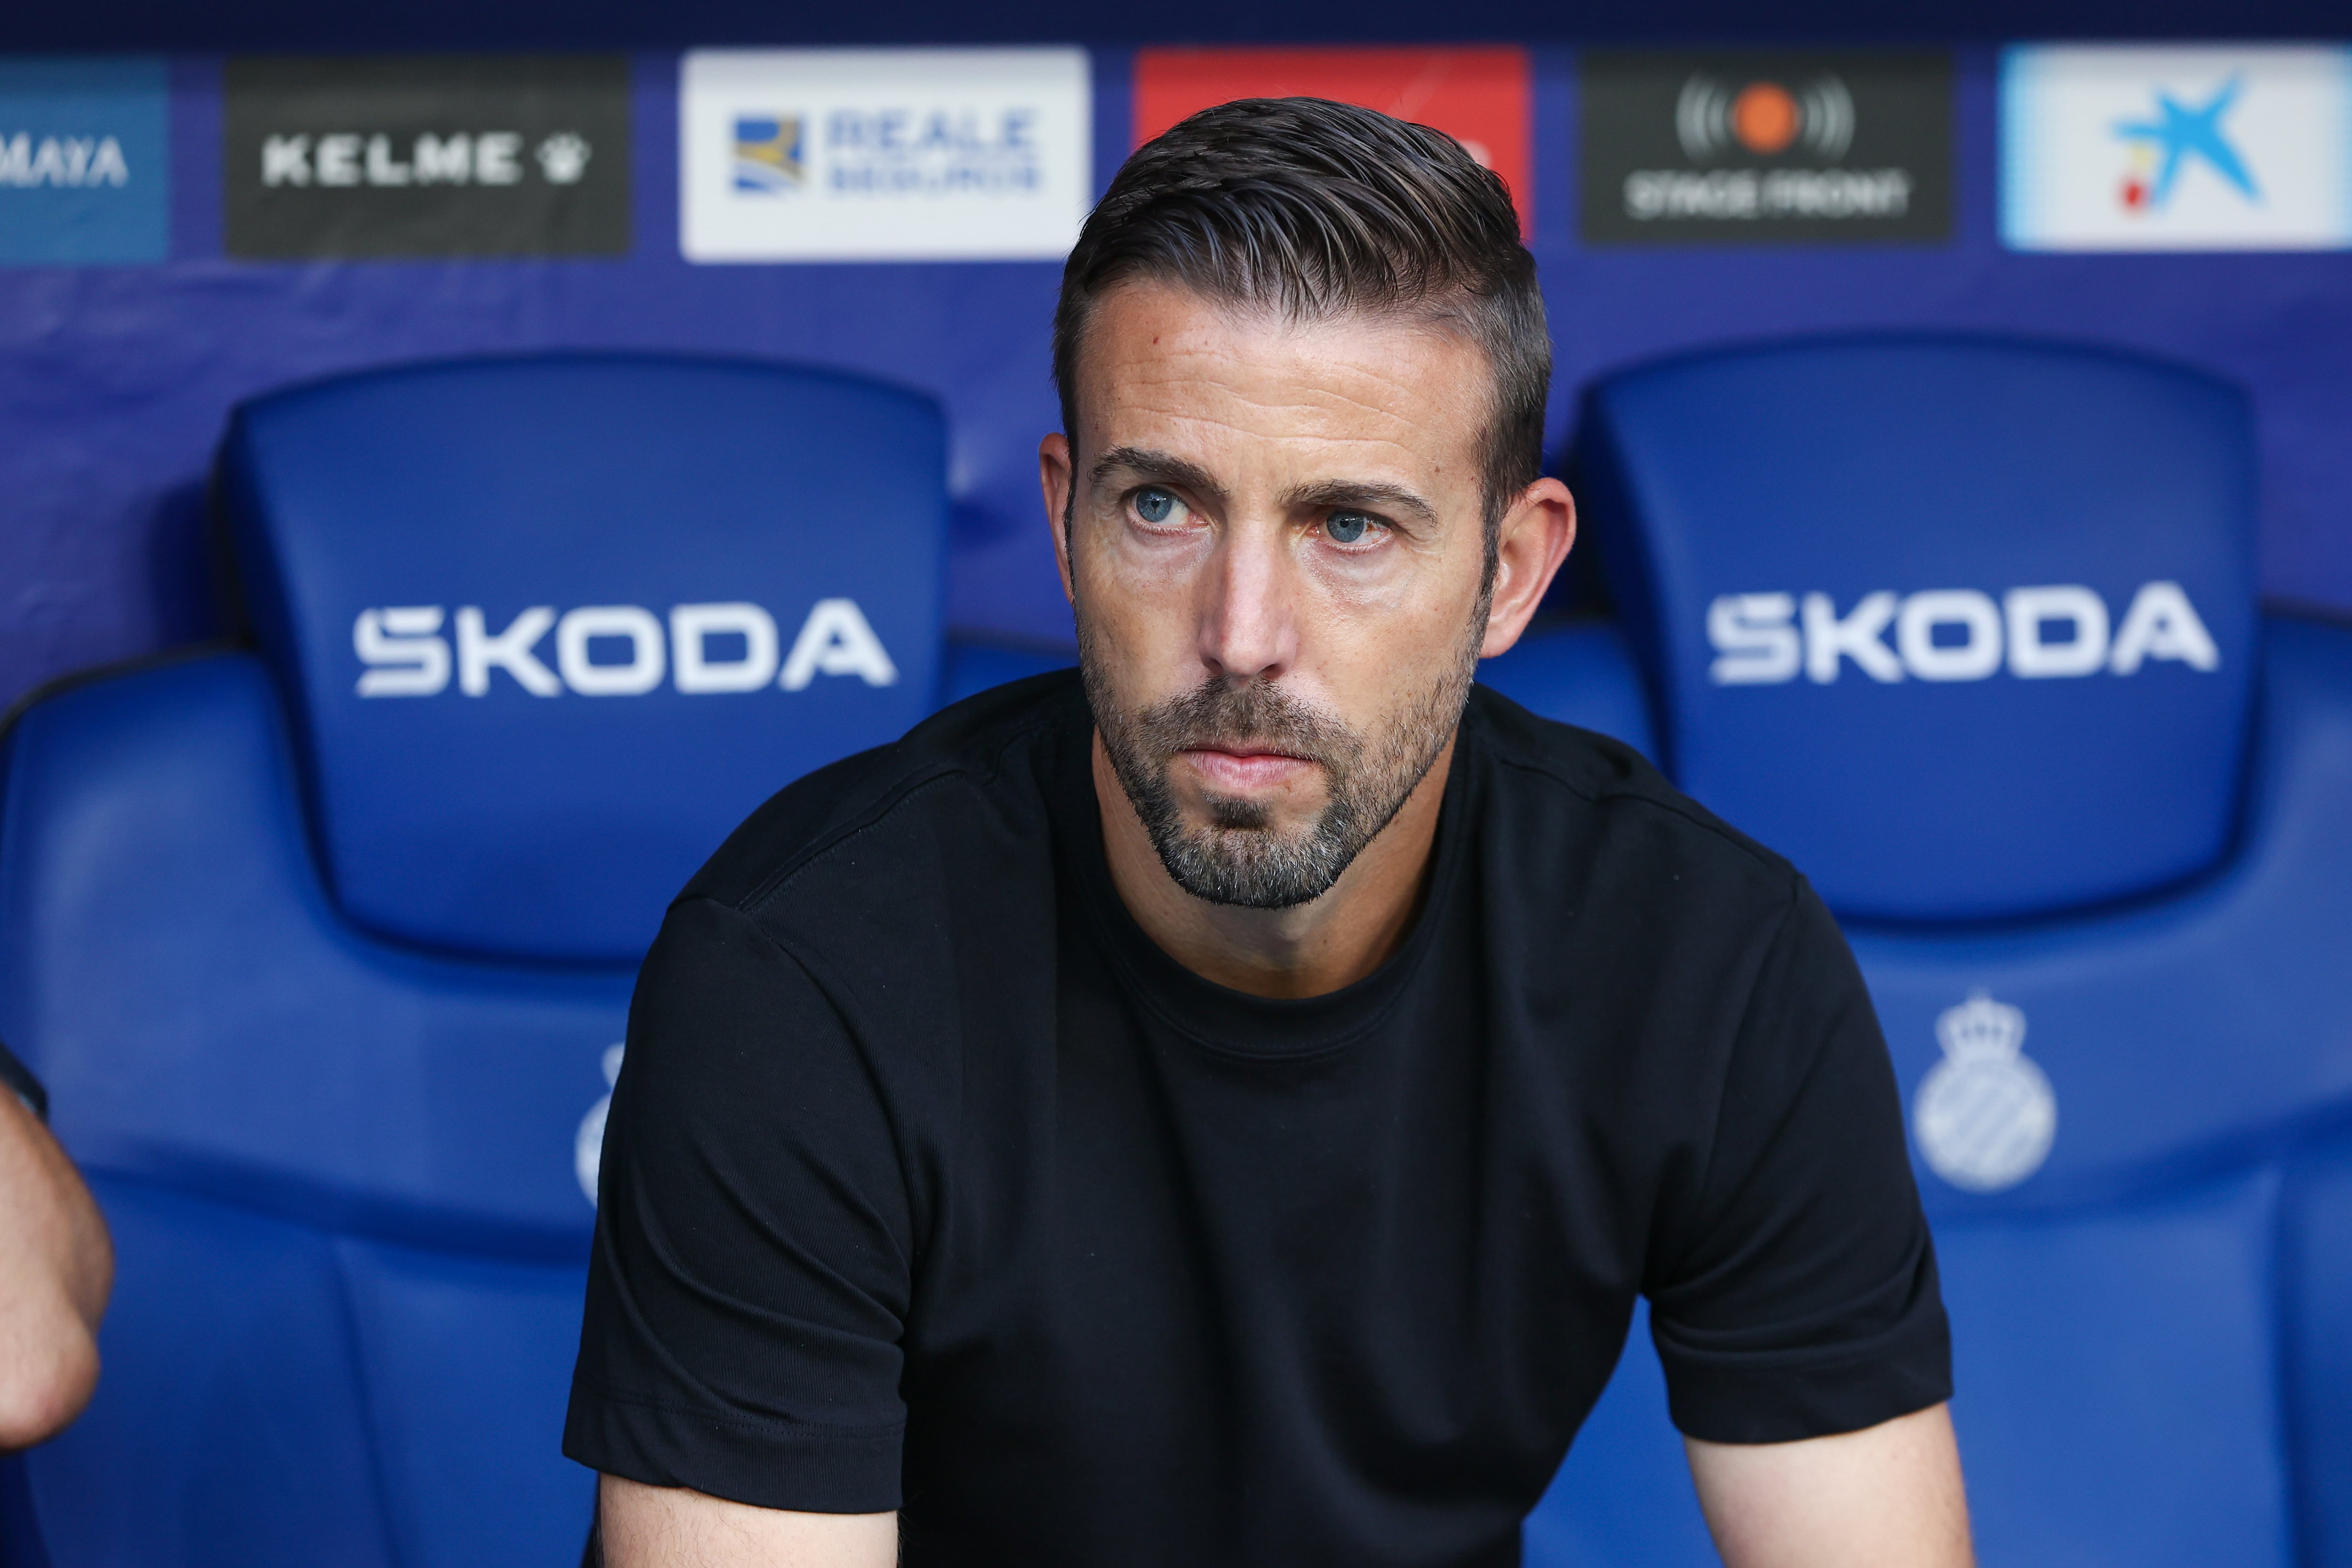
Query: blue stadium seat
[2316, 1269]
[1580, 673]
[973, 665]
[325, 948]
[1968, 627]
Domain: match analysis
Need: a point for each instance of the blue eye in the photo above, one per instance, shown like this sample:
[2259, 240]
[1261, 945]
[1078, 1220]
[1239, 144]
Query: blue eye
[1154, 505]
[1347, 527]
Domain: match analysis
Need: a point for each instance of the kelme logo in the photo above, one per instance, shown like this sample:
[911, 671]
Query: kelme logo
[426, 156]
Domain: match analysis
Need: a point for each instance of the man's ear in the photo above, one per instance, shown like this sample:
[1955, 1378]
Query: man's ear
[1532, 542]
[1054, 477]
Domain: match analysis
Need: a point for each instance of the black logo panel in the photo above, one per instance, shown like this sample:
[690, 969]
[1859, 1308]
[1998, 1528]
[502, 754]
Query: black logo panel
[450, 155]
[1737, 148]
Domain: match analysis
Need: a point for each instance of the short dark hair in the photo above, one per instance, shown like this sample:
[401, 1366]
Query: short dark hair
[1317, 209]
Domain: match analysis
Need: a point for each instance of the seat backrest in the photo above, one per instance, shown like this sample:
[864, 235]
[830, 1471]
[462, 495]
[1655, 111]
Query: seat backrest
[343, 1179]
[1577, 673]
[2102, 1106]
[1967, 629]
[550, 627]
[2315, 1266]
[533, 637]
[1965, 626]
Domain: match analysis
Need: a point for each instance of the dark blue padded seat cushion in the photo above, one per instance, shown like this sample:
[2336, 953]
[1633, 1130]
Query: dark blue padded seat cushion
[344, 1177]
[203, 1017]
[1580, 673]
[1964, 626]
[282, 1397]
[2115, 1399]
[231, 1403]
[551, 626]
[2114, 1307]
[974, 667]
[2188, 1034]
[2117, 1303]
[2317, 1273]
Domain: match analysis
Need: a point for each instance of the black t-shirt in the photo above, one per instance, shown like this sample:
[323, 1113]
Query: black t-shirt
[932, 1183]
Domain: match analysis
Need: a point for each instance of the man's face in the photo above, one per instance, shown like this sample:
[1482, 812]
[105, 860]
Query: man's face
[1276, 553]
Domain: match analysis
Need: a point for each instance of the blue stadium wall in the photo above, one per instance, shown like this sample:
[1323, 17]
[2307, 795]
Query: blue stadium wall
[115, 380]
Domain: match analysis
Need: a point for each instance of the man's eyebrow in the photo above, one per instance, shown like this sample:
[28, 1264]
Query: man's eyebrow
[1366, 495]
[1323, 495]
[1164, 467]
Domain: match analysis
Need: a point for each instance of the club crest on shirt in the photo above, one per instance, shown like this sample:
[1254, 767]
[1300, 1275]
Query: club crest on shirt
[1985, 1115]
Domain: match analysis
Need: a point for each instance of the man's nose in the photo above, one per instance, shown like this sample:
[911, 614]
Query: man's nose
[1248, 626]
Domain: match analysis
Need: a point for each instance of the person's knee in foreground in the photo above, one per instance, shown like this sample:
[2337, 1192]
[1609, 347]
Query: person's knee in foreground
[56, 1269]
[1224, 1109]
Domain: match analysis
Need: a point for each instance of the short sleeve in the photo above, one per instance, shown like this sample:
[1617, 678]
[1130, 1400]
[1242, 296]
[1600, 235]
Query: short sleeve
[753, 1268]
[1799, 1297]
[18, 1079]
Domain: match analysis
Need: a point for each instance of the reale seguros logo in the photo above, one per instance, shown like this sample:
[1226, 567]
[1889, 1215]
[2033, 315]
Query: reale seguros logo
[1953, 633]
[883, 154]
[768, 154]
[705, 648]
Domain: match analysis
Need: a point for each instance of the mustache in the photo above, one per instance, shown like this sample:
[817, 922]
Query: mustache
[1218, 715]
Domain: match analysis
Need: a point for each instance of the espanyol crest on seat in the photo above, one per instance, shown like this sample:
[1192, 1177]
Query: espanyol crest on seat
[324, 948]
[1967, 629]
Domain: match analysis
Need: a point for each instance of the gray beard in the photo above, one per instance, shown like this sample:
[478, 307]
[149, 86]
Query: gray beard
[1241, 858]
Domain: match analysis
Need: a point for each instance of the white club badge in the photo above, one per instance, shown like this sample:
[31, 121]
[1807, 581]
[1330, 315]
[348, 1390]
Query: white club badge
[588, 1146]
[1985, 1115]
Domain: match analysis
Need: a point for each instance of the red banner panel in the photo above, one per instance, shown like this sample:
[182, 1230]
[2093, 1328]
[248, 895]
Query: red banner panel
[1479, 96]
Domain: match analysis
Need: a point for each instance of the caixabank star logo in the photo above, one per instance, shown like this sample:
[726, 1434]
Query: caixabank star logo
[1740, 148]
[2177, 148]
[457, 156]
[2177, 135]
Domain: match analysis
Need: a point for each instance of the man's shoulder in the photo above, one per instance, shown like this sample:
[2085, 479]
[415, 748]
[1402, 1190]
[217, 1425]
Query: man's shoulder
[1554, 781]
[986, 757]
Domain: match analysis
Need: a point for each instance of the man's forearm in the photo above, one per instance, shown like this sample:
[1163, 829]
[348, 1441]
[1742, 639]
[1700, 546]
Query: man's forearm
[1888, 1496]
[56, 1269]
[670, 1527]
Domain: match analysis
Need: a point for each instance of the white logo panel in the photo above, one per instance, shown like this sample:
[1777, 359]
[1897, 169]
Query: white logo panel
[883, 154]
[1985, 1116]
[2187, 148]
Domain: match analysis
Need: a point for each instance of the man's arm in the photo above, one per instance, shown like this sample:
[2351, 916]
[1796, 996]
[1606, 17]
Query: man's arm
[669, 1527]
[1886, 1496]
[56, 1268]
